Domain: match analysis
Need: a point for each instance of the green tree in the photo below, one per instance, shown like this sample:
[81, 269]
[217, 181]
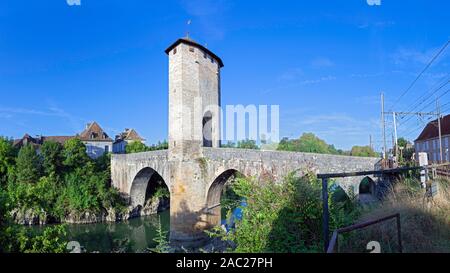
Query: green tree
[160, 146]
[7, 158]
[247, 144]
[52, 154]
[136, 147]
[29, 165]
[52, 240]
[402, 142]
[283, 217]
[363, 151]
[229, 144]
[74, 153]
[307, 143]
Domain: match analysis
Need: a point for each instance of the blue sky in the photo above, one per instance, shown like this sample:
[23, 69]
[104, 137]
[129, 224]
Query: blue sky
[324, 62]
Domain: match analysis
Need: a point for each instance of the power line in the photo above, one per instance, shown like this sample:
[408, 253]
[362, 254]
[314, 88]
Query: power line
[421, 73]
[430, 96]
[430, 92]
[443, 94]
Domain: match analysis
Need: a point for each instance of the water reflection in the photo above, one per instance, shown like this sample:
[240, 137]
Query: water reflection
[135, 235]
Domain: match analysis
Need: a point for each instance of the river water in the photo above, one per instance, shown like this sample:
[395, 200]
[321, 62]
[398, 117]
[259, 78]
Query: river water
[135, 235]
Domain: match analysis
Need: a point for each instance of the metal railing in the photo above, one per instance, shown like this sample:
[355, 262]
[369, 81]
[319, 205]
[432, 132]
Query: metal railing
[327, 176]
[334, 242]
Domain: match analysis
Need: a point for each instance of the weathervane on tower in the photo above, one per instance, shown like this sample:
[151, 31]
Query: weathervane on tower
[189, 22]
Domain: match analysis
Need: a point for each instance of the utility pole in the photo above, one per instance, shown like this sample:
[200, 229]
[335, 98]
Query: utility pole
[438, 110]
[394, 115]
[383, 125]
[370, 142]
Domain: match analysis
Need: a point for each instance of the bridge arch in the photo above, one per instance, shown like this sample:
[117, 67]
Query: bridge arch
[144, 185]
[367, 186]
[214, 194]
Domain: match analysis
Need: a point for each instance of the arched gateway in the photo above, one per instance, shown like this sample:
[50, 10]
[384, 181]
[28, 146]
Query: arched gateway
[194, 168]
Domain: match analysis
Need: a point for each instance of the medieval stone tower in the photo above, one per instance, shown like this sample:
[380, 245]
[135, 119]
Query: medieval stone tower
[194, 98]
[194, 123]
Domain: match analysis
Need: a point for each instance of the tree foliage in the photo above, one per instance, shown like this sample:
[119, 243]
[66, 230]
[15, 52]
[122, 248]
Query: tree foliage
[52, 153]
[363, 151]
[136, 147]
[74, 153]
[307, 143]
[242, 144]
[7, 158]
[139, 147]
[29, 165]
[56, 182]
[284, 217]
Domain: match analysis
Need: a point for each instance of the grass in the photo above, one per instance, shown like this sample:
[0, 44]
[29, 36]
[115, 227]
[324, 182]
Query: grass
[425, 223]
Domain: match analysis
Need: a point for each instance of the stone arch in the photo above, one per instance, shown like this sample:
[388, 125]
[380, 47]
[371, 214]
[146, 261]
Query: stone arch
[144, 186]
[366, 186]
[214, 194]
[339, 194]
[207, 129]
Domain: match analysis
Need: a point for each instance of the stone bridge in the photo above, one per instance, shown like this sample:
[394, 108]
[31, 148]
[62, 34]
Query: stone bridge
[203, 180]
[195, 168]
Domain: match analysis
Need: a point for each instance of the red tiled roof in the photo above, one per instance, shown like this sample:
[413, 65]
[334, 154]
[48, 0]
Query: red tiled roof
[131, 134]
[94, 133]
[432, 130]
[59, 139]
[39, 140]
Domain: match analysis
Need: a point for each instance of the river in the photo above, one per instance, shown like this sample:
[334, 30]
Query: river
[135, 235]
[132, 236]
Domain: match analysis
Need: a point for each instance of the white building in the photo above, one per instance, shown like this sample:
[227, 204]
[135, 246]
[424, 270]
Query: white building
[96, 140]
[126, 137]
[428, 141]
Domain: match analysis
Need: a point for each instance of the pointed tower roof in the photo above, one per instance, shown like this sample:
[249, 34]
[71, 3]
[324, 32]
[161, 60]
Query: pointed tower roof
[191, 42]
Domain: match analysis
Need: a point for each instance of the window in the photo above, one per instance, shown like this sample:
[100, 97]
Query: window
[191, 49]
[207, 130]
[174, 51]
[106, 149]
[212, 60]
[205, 56]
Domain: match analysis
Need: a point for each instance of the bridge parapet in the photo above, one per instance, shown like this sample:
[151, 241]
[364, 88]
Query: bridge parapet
[125, 167]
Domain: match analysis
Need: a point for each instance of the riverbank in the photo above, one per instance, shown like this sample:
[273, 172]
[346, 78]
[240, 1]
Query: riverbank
[30, 217]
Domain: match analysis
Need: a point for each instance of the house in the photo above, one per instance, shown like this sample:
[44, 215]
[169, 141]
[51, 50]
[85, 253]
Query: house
[428, 141]
[124, 138]
[96, 140]
[39, 140]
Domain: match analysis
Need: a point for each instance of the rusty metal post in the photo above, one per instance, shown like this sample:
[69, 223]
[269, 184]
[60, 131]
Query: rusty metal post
[326, 215]
[399, 234]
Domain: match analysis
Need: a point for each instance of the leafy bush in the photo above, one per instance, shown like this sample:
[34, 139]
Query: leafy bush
[282, 217]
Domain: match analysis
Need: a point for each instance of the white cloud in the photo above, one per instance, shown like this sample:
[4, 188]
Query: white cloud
[409, 55]
[291, 74]
[73, 2]
[373, 2]
[53, 111]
